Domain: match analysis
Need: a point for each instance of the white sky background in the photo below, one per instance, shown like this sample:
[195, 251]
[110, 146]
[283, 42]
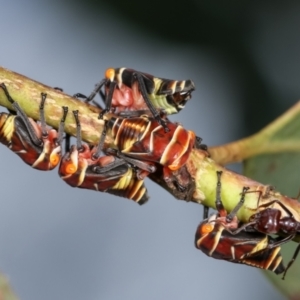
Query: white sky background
[57, 242]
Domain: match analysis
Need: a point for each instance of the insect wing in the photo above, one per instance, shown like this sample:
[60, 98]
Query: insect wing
[268, 259]
[243, 248]
[152, 143]
[127, 78]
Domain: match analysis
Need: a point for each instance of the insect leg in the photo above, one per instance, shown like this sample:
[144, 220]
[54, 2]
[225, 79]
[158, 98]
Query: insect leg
[233, 213]
[279, 203]
[143, 91]
[198, 144]
[96, 90]
[62, 126]
[108, 99]
[100, 146]
[78, 130]
[219, 205]
[34, 138]
[291, 261]
[205, 212]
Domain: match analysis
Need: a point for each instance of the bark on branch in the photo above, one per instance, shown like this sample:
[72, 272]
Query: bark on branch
[201, 168]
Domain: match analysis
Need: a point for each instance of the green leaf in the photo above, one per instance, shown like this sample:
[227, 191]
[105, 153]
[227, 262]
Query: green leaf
[280, 136]
[6, 292]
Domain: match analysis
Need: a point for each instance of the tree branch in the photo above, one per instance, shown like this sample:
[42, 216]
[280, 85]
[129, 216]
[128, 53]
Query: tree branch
[201, 168]
[282, 135]
[27, 92]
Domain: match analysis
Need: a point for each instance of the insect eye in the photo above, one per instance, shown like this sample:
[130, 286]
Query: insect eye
[70, 168]
[54, 159]
[110, 74]
[207, 228]
[174, 167]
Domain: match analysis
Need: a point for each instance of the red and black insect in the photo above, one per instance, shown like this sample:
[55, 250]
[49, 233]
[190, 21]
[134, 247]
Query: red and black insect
[217, 238]
[132, 93]
[84, 167]
[37, 145]
[271, 221]
[144, 139]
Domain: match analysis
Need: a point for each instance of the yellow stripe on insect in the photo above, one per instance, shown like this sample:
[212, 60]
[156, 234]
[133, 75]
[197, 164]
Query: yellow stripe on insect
[173, 141]
[172, 86]
[83, 166]
[181, 85]
[8, 128]
[263, 244]
[118, 77]
[136, 190]
[124, 181]
[272, 257]
[216, 241]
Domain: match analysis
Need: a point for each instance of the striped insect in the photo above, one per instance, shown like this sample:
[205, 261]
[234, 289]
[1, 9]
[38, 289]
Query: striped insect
[84, 167]
[271, 221]
[144, 139]
[132, 93]
[35, 143]
[218, 237]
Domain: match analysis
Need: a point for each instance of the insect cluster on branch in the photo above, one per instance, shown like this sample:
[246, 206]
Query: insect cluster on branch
[147, 143]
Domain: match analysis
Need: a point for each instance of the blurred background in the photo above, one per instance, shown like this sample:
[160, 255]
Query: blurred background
[57, 242]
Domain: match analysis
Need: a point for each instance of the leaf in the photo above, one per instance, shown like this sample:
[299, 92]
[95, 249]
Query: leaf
[280, 136]
[6, 292]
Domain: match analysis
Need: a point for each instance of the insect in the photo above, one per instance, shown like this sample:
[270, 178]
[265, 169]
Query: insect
[271, 221]
[84, 167]
[215, 237]
[133, 93]
[37, 145]
[144, 139]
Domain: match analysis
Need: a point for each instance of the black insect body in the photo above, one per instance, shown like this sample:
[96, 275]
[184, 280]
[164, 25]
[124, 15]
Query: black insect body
[133, 93]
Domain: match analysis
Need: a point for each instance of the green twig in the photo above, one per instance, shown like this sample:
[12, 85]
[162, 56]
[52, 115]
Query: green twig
[201, 168]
